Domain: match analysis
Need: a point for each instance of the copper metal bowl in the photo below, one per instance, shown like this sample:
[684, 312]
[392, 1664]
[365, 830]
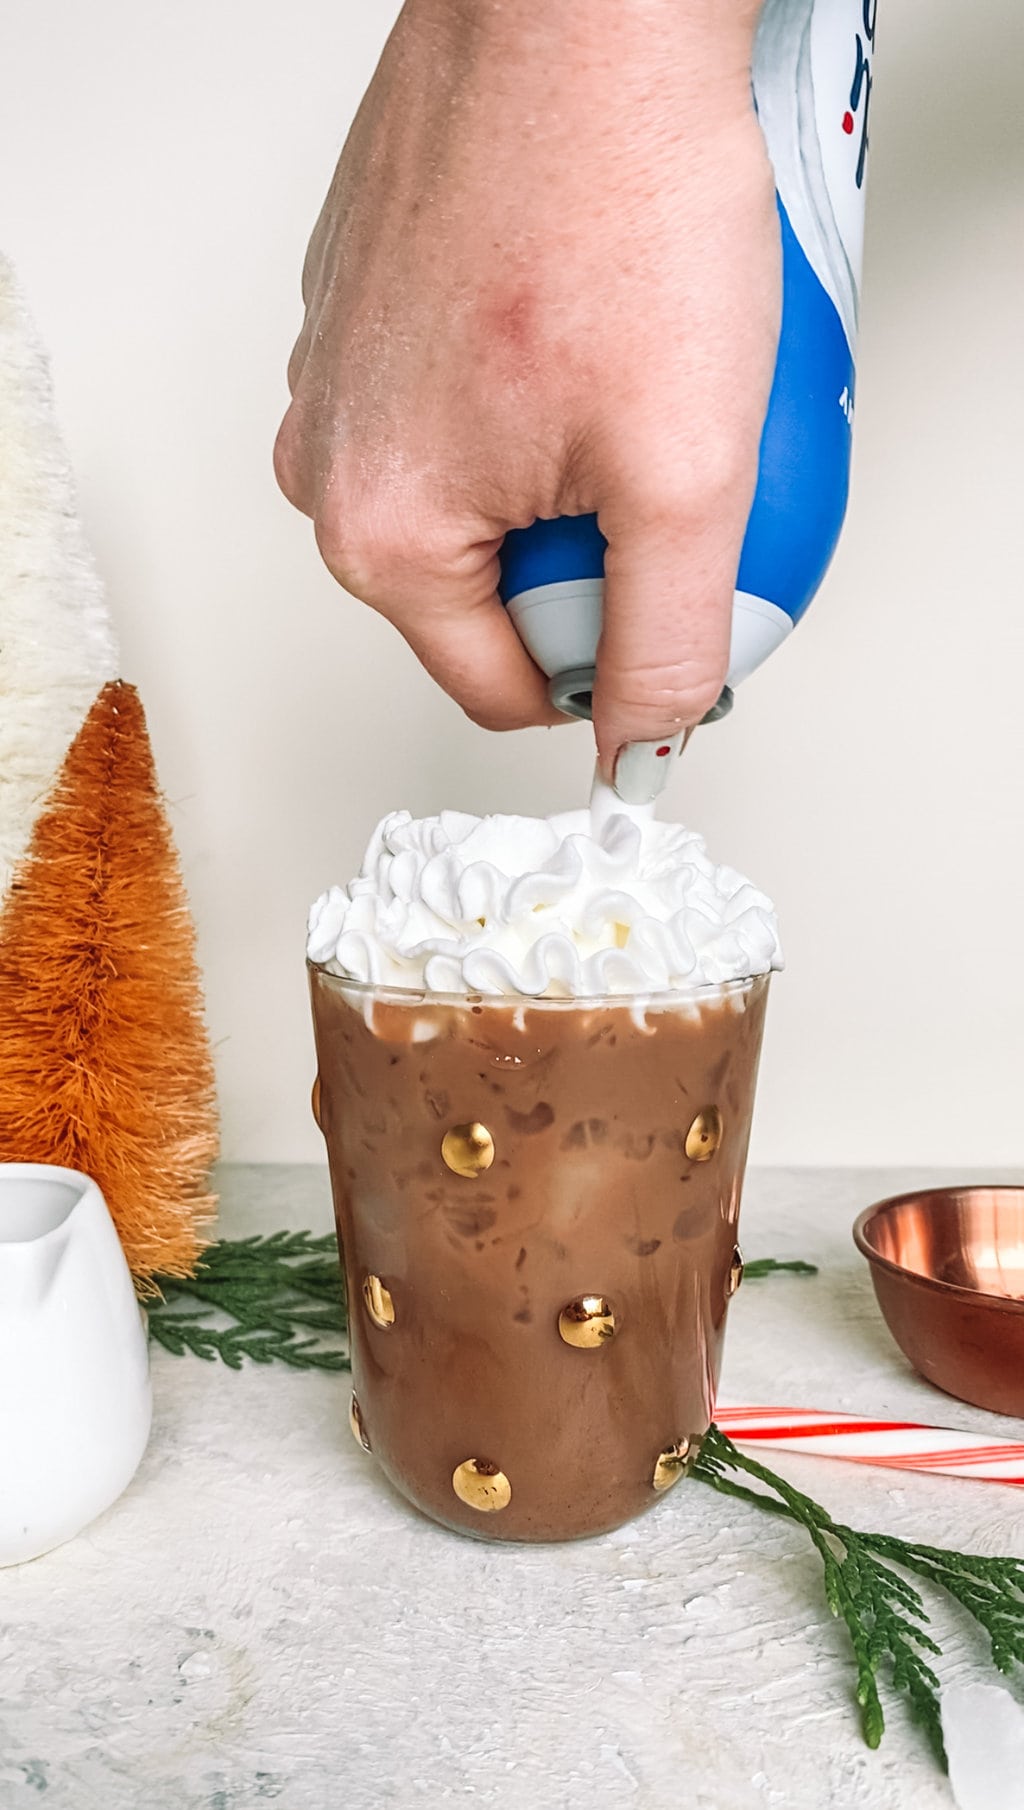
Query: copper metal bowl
[948, 1270]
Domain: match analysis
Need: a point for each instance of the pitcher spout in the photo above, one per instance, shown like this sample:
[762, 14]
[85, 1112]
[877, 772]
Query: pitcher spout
[37, 1208]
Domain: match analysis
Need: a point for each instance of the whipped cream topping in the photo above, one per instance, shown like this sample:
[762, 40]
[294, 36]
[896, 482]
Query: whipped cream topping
[546, 907]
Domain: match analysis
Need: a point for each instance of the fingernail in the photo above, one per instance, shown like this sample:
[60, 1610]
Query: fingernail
[642, 768]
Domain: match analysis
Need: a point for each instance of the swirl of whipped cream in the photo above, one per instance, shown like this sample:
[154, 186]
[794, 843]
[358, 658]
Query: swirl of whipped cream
[542, 907]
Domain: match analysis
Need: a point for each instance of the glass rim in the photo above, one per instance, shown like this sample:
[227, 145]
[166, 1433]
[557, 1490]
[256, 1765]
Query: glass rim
[649, 1000]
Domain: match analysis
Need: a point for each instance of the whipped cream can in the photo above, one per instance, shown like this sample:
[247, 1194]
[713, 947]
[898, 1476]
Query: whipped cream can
[812, 76]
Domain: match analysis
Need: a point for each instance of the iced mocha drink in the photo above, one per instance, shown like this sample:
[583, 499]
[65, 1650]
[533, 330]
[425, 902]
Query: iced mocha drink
[537, 1199]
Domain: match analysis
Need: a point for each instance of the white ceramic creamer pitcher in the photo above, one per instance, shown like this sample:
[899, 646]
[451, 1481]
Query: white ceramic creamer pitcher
[75, 1400]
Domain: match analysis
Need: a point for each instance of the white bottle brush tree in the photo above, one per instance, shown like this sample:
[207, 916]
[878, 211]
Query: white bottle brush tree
[104, 1061]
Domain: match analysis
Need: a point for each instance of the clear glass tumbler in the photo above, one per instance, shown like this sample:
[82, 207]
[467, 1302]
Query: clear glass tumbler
[537, 1204]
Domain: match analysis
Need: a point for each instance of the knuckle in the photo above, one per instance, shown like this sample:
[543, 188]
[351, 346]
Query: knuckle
[406, 549]
[297, 362]
[669, 489]
[689, 497]
[288, 460]
[667, 697]
[345, 552]
[377, 552]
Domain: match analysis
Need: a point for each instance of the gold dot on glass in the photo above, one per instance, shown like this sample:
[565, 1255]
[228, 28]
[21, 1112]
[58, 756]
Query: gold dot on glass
[315, 1103]
[481, 1485]
[671, 1464]
[735, 1272]
[358, 1425]
[379, 1304]
[587, 1322]
[704, 1135]
[468, 1149]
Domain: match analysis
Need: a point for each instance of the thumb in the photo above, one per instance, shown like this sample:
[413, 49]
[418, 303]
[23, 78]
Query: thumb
[670, 578]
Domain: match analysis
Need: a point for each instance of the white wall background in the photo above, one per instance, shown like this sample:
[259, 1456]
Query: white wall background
[162, 166]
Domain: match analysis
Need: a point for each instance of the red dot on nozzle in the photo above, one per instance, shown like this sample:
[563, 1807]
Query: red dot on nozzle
[847, 123]
[665, 750]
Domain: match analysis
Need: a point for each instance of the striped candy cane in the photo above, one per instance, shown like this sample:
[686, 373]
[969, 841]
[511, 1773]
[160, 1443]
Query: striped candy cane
[901, 1445]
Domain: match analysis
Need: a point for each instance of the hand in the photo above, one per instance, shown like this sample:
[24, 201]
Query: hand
[546, 280]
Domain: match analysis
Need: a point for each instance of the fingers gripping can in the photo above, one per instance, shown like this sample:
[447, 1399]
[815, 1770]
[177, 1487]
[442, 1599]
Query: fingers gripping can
[812, 77]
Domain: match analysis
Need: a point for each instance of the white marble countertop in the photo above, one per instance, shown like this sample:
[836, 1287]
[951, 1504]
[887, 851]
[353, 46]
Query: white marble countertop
[260, 1618]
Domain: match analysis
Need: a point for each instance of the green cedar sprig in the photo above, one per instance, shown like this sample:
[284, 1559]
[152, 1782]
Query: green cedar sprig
[284, 1293]
[884, 1614]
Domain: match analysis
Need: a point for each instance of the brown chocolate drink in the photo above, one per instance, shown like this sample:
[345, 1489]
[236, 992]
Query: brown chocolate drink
[537, 1204]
